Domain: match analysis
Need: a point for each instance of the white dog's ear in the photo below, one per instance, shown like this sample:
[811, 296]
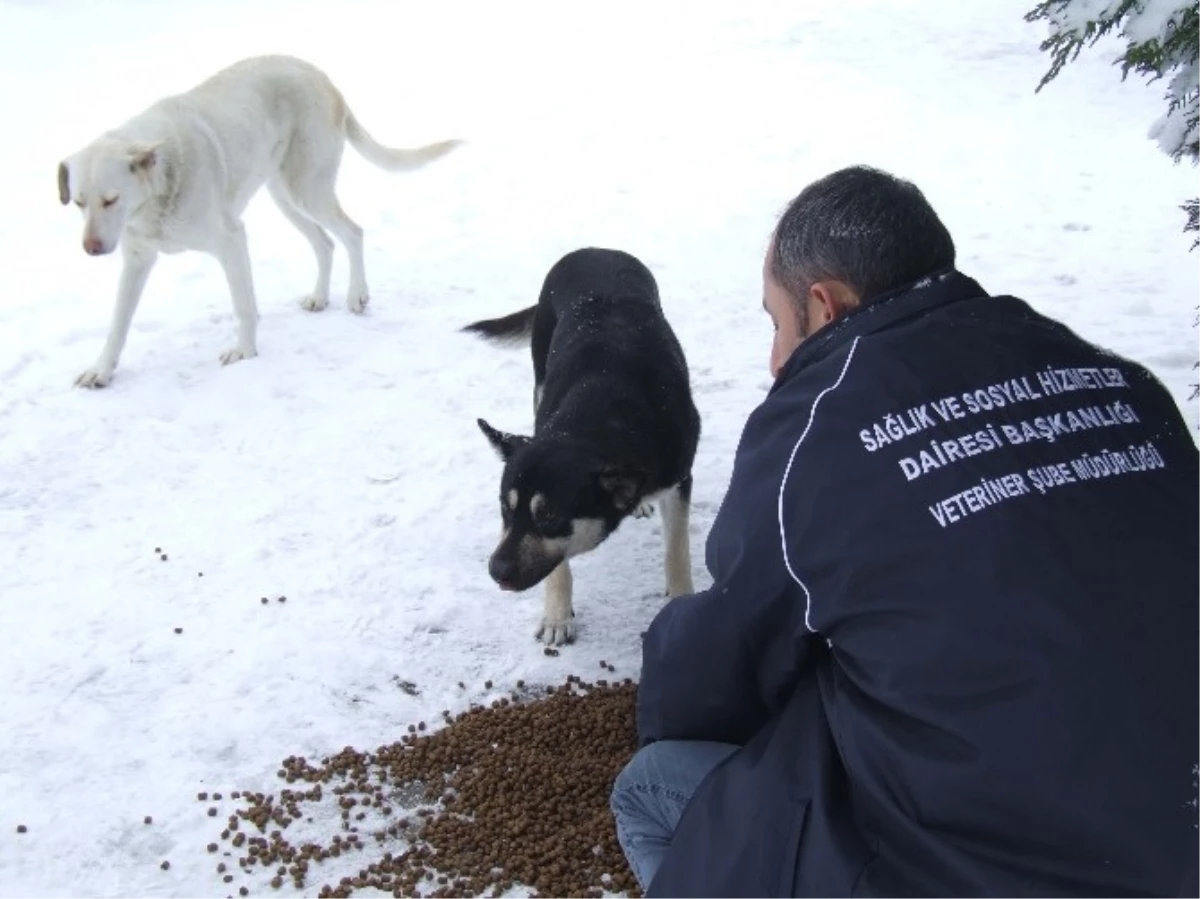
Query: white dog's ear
[143, 156]
[64, 184]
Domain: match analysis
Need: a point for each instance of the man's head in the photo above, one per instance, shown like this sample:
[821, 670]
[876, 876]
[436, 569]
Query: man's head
[846, 239]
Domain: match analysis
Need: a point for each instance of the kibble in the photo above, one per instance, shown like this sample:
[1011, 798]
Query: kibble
[165, 866]
[265, 600]
[179, 630]
[283, 599]
[21, 828]
[490, 801]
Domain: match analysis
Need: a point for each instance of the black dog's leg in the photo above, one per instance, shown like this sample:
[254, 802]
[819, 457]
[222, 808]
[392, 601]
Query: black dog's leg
[558, 619]
[676, 506]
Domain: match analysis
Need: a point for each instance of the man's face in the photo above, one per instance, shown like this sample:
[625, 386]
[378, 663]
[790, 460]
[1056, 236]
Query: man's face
[789, 316]
[798, 318]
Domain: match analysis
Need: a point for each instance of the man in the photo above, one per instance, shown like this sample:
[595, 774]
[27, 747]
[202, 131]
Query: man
[951, 642]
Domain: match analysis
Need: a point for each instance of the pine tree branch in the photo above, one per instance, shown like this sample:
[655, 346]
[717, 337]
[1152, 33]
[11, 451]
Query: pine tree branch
[1192, 208]
[1064, 45]
[1173, 50]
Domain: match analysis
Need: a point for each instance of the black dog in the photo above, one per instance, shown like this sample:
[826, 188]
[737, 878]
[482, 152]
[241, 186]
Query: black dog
[614, 425]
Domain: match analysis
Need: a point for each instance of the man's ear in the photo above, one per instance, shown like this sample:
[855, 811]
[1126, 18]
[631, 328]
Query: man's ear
[64, 183]
[142, 156]
[504, 443]
[832, 300]
[622, 485]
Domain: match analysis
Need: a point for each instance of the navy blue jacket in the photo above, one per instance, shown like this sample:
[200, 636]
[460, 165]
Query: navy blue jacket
[953, 622]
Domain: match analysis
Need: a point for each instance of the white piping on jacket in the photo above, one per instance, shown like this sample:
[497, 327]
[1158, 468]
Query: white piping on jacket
[787, 471]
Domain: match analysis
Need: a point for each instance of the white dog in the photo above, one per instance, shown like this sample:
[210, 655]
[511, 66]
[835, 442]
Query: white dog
[179, 176]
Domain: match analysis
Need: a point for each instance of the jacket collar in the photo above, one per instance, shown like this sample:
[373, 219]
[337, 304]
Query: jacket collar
[938, 289]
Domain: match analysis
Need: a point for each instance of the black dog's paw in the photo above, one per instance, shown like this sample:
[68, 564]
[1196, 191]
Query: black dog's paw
[644, 510]
[554, 631]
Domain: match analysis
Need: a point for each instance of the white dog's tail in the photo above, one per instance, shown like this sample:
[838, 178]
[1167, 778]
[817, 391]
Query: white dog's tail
[389, 158]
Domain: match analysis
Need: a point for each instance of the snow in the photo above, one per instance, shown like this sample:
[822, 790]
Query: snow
[1154, 20]
[1076, 15]
[1146, 20]
[343, 467]
[1178, 127]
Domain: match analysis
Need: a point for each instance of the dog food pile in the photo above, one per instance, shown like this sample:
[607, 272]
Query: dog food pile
[511, 794]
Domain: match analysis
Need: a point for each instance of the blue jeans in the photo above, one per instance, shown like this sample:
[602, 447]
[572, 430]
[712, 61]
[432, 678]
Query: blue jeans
[651, 793]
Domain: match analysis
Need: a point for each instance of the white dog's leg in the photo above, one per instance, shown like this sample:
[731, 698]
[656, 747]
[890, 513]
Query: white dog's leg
[675, 516]
[234, 257]
[351, 236]
[135, 270]
[313, 191]
[321, 243]
[558, 618]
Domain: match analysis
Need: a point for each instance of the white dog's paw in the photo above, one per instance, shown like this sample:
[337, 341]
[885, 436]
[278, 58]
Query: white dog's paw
[357, 300]
[94, 378]
[555, 631]
[237, 354]
[314, 303]
[644, 510]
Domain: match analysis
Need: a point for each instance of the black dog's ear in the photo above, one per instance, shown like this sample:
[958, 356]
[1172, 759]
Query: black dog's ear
[504, 443]
[622, 485]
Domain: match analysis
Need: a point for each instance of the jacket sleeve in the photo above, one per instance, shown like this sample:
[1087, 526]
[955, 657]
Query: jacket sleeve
[717, 665]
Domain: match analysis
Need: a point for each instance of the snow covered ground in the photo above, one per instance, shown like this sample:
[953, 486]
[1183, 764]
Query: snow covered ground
[343, 467]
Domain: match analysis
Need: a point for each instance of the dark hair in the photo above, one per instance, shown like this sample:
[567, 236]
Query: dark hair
[866, 228]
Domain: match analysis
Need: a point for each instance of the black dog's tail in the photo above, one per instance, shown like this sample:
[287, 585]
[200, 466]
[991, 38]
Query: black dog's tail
[515, 329]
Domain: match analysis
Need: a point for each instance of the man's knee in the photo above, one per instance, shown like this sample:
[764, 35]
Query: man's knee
[632, 774]
[630, 771]
[672, 767]
[645, 768]
[640, 780]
